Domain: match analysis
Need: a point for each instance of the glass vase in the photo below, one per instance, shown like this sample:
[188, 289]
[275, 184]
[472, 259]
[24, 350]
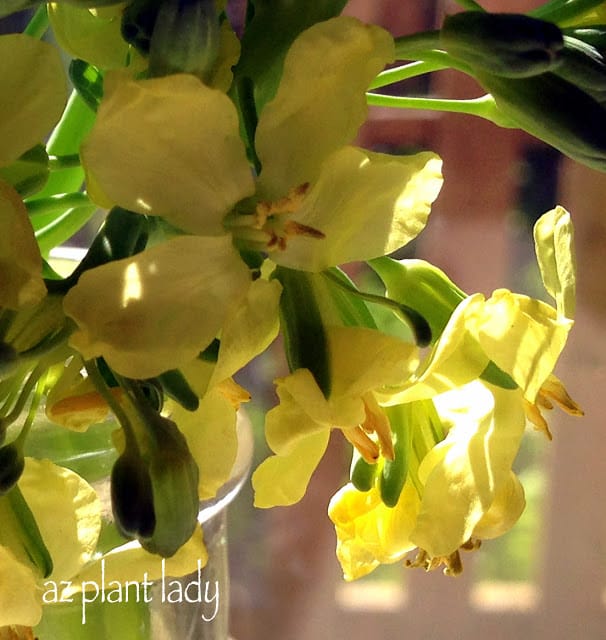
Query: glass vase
[193, 606]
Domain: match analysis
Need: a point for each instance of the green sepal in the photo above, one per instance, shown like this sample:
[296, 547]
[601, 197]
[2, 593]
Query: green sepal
[175, 386]
[506, 44]
[305, 341]
[394, 472]
[421, 287]
[19, 523]
[584, 66]
[352, 309]
[362, 474]
[88, 82]
[496, 376]
[29, 173]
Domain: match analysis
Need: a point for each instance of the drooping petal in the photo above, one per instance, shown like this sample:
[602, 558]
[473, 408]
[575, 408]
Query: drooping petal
[34, 91]
[19, 601]
[211, 437]
[249, 330]
[456, 359]
[20, 261]
[281, 480]
[366, 205]
[504, 512]
[158, 309]
[554, 246]
[154, 150]
[320, 103]
[522, 336]
[368, 532]
[463, 474]
[67, 511]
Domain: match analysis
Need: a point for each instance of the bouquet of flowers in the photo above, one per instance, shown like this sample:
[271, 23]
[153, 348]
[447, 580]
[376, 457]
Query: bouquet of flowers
[221, 146]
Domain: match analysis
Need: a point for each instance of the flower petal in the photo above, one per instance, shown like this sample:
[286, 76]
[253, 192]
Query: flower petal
[170, 147]
[282, 480]
[522, 336]
[321, 102]
[158, 309]
[34, 91]
[368, 532]
[21, 281]
[366, 205]
[554, 245]
[464, 473]
[19, 600]
[249, 330]
[131, 563]
[211, 437]
[67, 511]
[504, 512]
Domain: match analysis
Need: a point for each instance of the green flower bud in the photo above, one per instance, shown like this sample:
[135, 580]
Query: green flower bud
[185, 38]
[174, 478]
[422, 287]
[395, 472]
[132, 497]
[362, 474]
[506, 44]
[583, 65]
[555, 111]
[12, 464]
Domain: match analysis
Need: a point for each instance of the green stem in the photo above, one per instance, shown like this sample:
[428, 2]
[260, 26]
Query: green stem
[483, 107]
[471, 5]
[408, 315]
[63, 162]
[411, 70]
[38, 25]
[57, 204]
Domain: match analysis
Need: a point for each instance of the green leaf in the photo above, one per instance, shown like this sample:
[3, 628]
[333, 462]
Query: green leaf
[63, 228]
[29, 173]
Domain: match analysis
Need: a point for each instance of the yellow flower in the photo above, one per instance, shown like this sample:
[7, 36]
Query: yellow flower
[171, 147]
[362, 361]
[462, 490]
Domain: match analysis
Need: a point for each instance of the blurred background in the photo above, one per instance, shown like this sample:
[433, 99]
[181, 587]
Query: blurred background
[547, 577]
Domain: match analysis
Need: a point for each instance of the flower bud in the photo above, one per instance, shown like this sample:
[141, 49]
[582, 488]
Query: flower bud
[185, 39]
[506, 44]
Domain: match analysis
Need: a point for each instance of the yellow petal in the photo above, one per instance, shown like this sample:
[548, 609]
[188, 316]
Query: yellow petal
[249, 330]
[93, 35]
[368, 532]
[19, 599]
[309, 119]
[158, 309]
[170, 147]
[366, 205]
[504, 512]
[522, 336]
[34, 92]
[211, 437]
[463, 474]
[21, 281]
[67, 511]
[554, 245]
[282, 480]
[131, 563]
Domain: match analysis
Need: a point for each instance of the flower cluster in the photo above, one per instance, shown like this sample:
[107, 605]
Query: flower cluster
[233, 194]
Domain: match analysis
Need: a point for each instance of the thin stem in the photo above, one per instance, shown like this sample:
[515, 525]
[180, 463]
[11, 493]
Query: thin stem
[57, 204]
[409, 47]
[411, 70]
[470, 5]
[38, 25]
[408, 315]
[63, 162]
[483, 107]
